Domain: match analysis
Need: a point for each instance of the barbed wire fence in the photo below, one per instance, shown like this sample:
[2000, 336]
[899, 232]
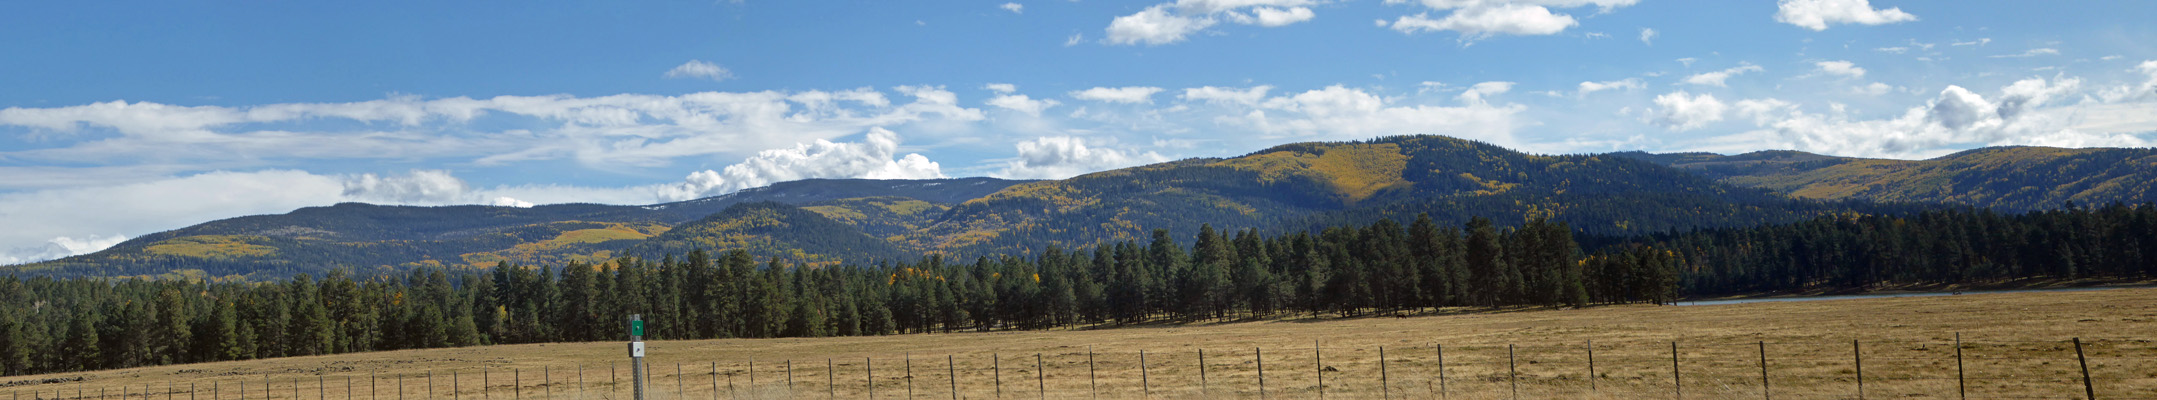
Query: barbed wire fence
[1948, 368]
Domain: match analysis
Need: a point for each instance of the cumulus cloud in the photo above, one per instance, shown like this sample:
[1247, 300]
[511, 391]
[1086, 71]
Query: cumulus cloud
[1014, 8]
[1125, 95]
[1957, 118]
[1647, 35]
[1716, 78]
[1057, 157]
[1022, 103]
[1246, 96]
[1479, 19]
[1338, 113]
[1842, 68]
[1817, 14]
[874, 158]
[607, 131]
[419, 187]
[1624, 84]
[700, 69]
[1174, 22]
[1682, 111]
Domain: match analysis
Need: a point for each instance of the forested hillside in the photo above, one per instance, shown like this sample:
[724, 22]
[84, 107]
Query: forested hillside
[49, 325]
[2003, 178]
[1302, 187]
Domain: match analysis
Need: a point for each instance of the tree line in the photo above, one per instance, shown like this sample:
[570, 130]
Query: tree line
[55, 325]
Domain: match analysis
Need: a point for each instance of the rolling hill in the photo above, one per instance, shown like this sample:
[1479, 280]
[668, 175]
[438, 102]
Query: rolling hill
[1293, 187]
[2003, 178]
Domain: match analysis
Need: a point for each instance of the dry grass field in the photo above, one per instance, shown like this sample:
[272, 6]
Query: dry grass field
[2014, 345]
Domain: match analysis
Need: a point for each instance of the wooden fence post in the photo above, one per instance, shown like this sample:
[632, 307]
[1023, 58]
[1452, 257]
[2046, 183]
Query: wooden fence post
[831, 381]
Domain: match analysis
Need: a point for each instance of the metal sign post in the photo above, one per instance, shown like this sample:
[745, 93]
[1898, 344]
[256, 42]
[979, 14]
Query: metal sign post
[636, 353]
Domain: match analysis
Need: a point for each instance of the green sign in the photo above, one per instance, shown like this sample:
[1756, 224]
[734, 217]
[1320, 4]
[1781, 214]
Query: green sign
[636, 328]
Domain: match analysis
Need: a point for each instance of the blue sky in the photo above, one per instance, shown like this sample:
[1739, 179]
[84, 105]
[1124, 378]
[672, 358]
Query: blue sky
[123, 118]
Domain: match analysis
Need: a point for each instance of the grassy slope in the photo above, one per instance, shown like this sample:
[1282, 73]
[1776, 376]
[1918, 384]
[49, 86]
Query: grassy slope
[2009, 334]
[2011, 178]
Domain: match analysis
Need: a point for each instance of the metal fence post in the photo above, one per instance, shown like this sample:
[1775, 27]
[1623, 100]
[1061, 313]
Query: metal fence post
[1441, 371]
[1677, 379]
[1144, 382]
[909, 375]
[1202, 387]
[1591, 368]
[1259, 354]
[1041, 376]
[1857, 357]
[1962, 390]
[996, 362]
[868, 365]
[1385, 384]
[951, 371]
[831, 381]
[2088, 389]
[1764, 391]
[1512, 370]
[1091, 381]
[1318, 358]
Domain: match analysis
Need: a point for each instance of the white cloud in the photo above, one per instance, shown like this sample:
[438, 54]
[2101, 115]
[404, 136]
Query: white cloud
[1022, 103]
[1893, 50]
[2031, 53]
[1957, 118]
[1246, 96]
[1843, 68]
[1873, 89]
[1978, 42]
[1716, 78]
[419, 187]
[1817, 14]
[1479, 19]
[1001, 87]
[1075, 39]
[1275, 17]
[1688, 61]
[871, 159]
[606, 132]
[1014, 8]
[1126, 95]
[58, 247]
[1173, 22]
[1341, 113]
[1682, 111]
[1057, 157]
[1647, 35]
[702, 70]
[1474, 95]
[1625, 84]
[1483, 22]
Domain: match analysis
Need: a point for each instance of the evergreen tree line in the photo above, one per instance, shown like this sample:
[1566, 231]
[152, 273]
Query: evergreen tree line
[52, 325]
[1975, 246]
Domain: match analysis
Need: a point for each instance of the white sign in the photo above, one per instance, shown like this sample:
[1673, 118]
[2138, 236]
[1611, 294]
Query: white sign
[636, 349]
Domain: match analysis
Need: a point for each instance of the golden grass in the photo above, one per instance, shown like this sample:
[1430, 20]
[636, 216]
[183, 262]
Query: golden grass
[2015, 345]
[211, 246]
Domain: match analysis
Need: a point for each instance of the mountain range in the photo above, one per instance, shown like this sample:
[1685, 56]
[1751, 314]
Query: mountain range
[1293, 187]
